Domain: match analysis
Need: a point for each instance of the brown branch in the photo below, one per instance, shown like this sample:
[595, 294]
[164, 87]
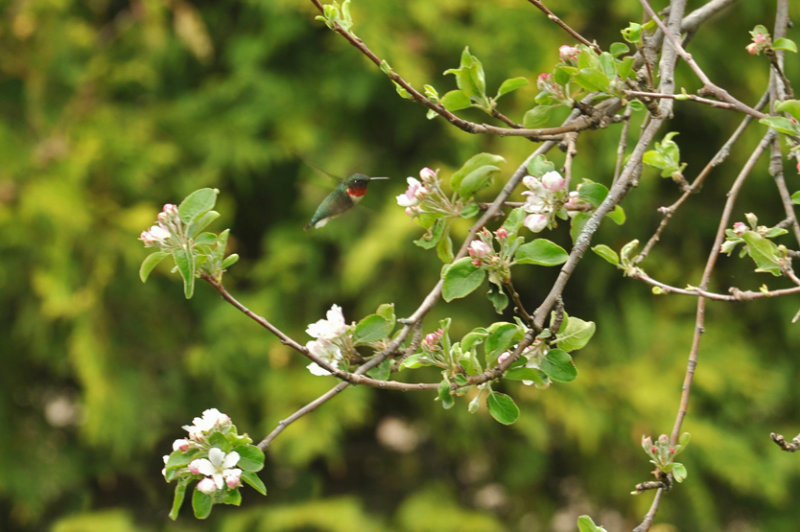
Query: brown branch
[543, 134]
[707, 272]
[735, 294]
[781, 442]
[552, 16]
[715, 161]
[708, 86]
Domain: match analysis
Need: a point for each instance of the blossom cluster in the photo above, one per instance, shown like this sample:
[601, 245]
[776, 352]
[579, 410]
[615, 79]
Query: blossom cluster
[332, 340]
[544, 197]
[215, 466]
[169, 223]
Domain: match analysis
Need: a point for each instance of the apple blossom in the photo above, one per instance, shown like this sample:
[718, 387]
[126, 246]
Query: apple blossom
[413, 193]
[427, 175]
[568, 54]
[553, 181]
[215, 467]
[332, 327]
[535, 222]
[479, 249]
[501, 233]
[207, 486]
[156, 235]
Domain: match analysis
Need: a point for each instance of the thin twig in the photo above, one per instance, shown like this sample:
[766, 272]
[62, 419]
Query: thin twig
[552, 16]
[709, 268]
[715, 161]
[708, 86]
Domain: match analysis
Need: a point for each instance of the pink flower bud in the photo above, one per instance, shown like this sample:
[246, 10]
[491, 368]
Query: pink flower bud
[752, 48]
[663, 439]
[476, 262]
[181, 444]
[207, 486]
[553, 181]
[568, 54]
[479, 249]
[503, 357]
[501, 233]
[535, 222]
[427, 175]
[739, 228]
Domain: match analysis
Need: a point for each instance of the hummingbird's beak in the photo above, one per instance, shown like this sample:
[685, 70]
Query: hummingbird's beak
[377, 178]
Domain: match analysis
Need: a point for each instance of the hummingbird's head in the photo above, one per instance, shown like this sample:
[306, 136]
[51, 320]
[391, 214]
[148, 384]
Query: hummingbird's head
[357, 184]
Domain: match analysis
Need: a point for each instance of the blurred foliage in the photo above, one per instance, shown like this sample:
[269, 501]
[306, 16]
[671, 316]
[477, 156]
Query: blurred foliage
[109, 109]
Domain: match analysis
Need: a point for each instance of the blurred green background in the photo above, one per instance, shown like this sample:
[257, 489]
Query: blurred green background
[110, 108]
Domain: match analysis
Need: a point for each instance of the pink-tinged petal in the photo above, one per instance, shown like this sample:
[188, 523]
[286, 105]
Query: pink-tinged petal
[207, 486]
[233, 478]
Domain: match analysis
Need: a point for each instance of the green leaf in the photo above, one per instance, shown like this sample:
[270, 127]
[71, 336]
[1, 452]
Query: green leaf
[784, 44]
[197, 203]
[585, 524]
[625, 68]
[186, 267]
[501, 336]
[537, 116]
[473, 163]
[515, 218]
[764, 253]
[617, 215]
[577, 223]
[679, 472]
[522, 374]
[789, 106]
[498, 298]
[607, 253]
[592, 192]
[402, 91]
[476, 180]
[618, 48]
[431, 237]
[592, 79]
[461, 278]
[473, 338]
[180, 495]
[502, 408]
[372, 328]
[654, 159]
[251, 458]
[470, 210]
[557, 364]
[202, 221]
[444, 249]
[201, 504]
[386, 311]
[444, 395]
[796, 197]
[539, 165]
[575, 333]
[511, 84]
[382, 371]
[232, 497]
[455, 100]
[150, 262]
[781, 124]
[252, 480]
[230, 260]
[541, 252]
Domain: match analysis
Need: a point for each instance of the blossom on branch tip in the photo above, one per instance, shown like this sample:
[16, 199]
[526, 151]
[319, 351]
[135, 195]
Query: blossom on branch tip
[501, 233]
[156, 235]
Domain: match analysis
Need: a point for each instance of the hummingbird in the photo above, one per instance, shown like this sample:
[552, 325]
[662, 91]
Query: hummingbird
[342, 198]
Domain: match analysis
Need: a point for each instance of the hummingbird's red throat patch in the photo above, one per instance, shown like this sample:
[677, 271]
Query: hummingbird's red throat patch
[357, 190]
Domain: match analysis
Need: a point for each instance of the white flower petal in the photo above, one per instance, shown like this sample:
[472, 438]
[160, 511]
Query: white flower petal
[231, 459]
[317, 370]
[216, 456]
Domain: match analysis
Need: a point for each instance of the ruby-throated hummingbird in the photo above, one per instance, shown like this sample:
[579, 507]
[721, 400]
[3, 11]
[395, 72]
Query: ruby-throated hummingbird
[344, 196]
